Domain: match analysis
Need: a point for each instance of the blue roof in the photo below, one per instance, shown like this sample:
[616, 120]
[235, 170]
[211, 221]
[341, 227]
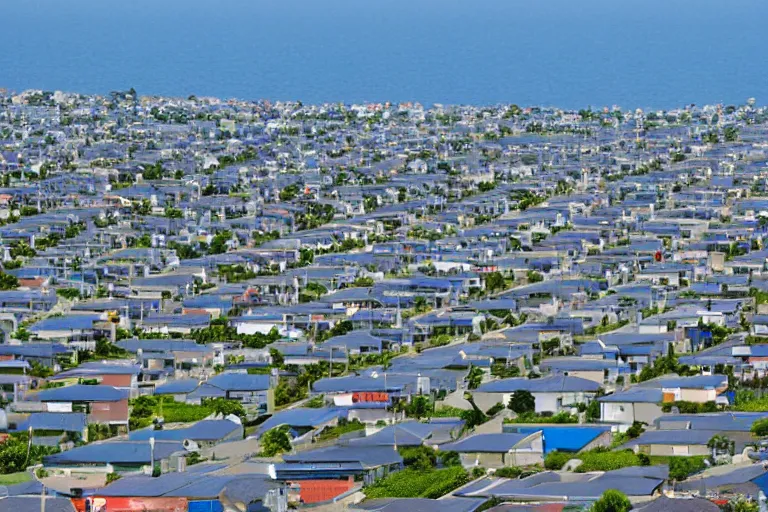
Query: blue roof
[81, 393]
[133, 345]
[679, 437]
[694, 382]
[301, 417]
[635, 394]
[114, 452]
[94, 369]
[65, 323]
[240, 382]
[205, 430]
[45, 350]
[177, 387]
[64, 421]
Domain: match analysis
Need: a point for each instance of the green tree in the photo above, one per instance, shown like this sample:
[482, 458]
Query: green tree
[8, 282]
[760, 427]
[420, 304]
[741, 505]
[419, 407]
[522, 401]
[450, 458]
[418, 457]
[275, 441]
[635, 430]
[226, 407]
[494, 281]
[612, 501]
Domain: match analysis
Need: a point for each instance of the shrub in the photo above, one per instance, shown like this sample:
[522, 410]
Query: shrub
[495, 409]
[418, 457]
[561, 417]
[599, 460]
[612, 501]
[509, 472]
[450, 458]
[275, 441]
[690, 407]
[522, 402]
[411, 483]
[760, 427]
[681, 467]
[635, 430]
[556, 460]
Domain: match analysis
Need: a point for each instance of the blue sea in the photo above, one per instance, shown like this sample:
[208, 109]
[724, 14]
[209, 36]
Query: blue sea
[568, 53]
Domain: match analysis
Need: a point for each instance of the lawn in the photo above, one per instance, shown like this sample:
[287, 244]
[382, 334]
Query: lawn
[15, 478]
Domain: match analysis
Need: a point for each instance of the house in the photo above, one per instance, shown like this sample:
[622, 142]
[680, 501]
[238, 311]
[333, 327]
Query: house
[178, 388]
[679, 443]
[254, 392]
[368, 464]
[499, 450]
[199, 490]
[70, 328]
[413, 433]
[55, 427]
[597, 370]
[565, 438]
[302, 420]
[179, 324]
[698, 389]
[628, 406]
[103, 404]
[204, 433]
[639, 484]
[122, 376]
[169, 354]
[120, 456]
[552, 394]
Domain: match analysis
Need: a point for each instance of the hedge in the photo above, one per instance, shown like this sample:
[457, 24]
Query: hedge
[600, 459]
[690, 407]
[607, 461]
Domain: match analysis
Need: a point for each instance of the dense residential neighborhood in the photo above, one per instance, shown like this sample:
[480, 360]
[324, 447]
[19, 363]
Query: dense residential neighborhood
[211, 305]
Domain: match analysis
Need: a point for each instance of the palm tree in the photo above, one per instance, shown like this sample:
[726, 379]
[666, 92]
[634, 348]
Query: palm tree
[719, 443]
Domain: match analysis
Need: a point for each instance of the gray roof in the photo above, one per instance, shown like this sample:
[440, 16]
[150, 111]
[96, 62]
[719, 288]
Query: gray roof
[32, 504]
[554, 384]
[205, 430]
[551, 485]
[665, 504]
[485, 443]
[634, 395]
[114, 452]
[419, 505]
[371, 456]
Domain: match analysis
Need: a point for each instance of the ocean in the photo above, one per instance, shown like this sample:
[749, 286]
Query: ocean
[567, 53]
